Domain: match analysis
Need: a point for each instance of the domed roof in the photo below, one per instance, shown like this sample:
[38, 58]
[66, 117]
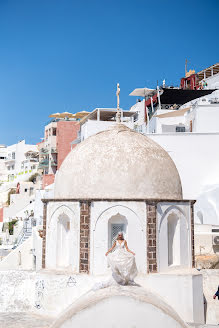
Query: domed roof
[118, 163]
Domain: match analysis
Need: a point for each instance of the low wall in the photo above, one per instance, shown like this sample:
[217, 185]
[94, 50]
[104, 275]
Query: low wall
[20, 258]
[50, 293]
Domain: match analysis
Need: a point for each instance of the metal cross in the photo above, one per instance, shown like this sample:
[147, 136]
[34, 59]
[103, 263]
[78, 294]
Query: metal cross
[118, 118]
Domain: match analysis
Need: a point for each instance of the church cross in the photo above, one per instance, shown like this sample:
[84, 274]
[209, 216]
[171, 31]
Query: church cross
[118, 119]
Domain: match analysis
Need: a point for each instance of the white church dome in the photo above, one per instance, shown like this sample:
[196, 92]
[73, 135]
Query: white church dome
[118, 163]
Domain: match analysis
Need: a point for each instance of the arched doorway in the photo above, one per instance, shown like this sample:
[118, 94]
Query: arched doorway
[63, 234]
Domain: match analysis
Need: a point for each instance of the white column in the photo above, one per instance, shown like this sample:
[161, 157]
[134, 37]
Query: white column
[158, 96]
[212, 71]
[98, 114]
[152, 106]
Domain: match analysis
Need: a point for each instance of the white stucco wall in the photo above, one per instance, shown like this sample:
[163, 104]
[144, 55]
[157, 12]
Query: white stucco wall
[213, 82]
[206, 209]
[92, 127]
[205, 117]
[50, 294]
[195, 158]
[38, 206]
[134, 214]
[117, 311]
[156, 123]
[183, 290]
[20, 258]
[37, 248]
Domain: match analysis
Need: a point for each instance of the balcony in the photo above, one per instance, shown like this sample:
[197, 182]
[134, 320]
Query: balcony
[43, 164]
[44, 151]
[53, 163]
[9, 159]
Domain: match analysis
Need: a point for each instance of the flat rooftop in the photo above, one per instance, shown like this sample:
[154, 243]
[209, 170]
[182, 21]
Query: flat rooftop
[106, 114]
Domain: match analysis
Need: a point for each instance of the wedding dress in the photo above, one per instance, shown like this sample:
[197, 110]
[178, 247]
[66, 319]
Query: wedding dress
[123, 264]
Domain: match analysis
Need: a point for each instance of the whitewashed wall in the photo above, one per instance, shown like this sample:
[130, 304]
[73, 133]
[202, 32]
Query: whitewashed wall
[20, 258]
[156, 123]
[205, 118]
[91, 127]
[213, 82]
[196, 159]
[121, 311]
[50, 294]
[183, 290]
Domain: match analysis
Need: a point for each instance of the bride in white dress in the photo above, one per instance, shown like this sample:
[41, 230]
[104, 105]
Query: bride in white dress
[122, 261]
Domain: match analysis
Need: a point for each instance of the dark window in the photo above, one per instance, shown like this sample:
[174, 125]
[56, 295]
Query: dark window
[25, 190]
[180, 129]
[54, 131]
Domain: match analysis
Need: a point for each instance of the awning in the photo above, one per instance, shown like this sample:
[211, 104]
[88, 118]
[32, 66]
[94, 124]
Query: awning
[175, 113]
[143, 92]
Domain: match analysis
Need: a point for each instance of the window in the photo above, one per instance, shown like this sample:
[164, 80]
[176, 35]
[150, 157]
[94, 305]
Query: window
[115, 229]
[13, 155]
[116, 224]
[25, 190]
[54, 131]
[180, 129]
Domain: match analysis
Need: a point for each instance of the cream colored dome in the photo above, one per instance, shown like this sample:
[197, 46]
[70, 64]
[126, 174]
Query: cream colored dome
[118, 163]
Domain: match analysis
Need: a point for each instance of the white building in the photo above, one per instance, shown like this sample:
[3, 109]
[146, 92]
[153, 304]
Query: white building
[190, 135]
[21, 161]
[3, 170]
[101, 119]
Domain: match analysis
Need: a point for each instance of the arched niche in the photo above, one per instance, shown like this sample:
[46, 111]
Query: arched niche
[174, 242]
[62, 240]
[135, 235]
[173, 233]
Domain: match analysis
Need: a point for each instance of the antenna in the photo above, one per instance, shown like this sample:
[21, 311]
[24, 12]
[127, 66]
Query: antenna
[186, 67]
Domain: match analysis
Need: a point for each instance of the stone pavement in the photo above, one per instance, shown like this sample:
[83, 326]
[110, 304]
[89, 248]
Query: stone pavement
[23, 320]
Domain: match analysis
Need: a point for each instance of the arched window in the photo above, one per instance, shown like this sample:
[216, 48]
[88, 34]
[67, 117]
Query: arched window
[173, 231]
[116, 224]
[63, 231]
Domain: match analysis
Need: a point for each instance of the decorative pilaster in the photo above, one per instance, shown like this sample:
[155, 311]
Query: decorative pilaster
[85, 237]
[192, 234]
[44, 236]
[151, 237]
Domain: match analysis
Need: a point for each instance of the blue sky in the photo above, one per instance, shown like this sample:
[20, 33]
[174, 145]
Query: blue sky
[66, 55]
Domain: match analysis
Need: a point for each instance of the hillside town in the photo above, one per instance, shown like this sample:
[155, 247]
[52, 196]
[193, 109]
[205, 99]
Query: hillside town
[96, 173]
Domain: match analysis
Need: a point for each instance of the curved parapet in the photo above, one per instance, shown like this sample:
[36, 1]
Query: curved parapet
[118, 307]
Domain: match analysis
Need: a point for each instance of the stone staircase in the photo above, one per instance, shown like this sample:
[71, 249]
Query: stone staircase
[25, 233]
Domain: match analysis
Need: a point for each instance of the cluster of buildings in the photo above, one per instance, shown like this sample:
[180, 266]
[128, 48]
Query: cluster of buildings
[151, 172]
